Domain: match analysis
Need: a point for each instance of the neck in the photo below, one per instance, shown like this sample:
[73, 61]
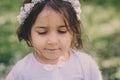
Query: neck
[51, 61]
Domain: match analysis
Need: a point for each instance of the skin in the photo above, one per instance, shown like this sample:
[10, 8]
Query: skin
[50, 37]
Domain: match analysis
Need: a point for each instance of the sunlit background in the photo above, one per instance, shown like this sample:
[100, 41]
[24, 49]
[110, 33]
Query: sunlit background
[101, 35]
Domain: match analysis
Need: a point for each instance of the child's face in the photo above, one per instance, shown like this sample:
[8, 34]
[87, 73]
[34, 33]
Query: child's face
[49, 35]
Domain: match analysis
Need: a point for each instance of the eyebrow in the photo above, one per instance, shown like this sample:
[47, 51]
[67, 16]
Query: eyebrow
[62, 26]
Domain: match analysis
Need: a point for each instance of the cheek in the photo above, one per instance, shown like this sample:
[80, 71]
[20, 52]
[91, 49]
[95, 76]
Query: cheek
[36, 40]
[67, 40]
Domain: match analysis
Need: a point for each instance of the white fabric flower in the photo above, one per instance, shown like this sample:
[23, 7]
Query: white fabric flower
[50, 67]
[26, 9]
[24, 12]
[76, 6]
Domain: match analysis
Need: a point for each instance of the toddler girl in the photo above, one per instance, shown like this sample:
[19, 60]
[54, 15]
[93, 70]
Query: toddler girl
[52, 28]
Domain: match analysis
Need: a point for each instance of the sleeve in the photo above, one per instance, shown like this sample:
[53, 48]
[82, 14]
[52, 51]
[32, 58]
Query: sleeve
[14, 74]
[90, 68]
[95, 73]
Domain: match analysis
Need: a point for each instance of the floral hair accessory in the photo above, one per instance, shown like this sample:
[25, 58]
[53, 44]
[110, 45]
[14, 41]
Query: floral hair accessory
[76, 6]
[26, 9]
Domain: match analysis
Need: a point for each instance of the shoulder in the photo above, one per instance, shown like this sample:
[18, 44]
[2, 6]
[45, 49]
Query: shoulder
[85, 59]
[82, 55]
[19, 67]
[26, 60]
[89, 65]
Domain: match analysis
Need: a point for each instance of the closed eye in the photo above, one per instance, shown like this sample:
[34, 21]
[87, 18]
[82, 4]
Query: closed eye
[42, 33]
[62, 32]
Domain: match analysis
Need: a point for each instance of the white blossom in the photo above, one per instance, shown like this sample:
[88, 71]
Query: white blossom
[26, 9]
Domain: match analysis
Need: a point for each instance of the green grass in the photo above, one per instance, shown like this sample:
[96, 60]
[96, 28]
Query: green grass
[100, 35]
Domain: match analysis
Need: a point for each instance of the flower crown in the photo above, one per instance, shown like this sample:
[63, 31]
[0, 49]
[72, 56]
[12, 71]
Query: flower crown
[26, 9]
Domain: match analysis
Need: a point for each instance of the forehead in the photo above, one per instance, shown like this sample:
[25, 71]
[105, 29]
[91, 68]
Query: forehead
[50, 17]
[45, 12]
[48, 11]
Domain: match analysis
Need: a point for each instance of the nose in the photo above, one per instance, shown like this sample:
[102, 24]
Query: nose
[53, 39]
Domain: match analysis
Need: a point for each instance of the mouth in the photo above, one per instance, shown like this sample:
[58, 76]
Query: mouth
[52, 49]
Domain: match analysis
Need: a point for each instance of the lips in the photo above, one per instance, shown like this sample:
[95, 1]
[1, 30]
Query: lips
[52, 49]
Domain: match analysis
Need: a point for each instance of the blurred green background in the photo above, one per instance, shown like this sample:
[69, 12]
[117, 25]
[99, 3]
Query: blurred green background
[101, 35]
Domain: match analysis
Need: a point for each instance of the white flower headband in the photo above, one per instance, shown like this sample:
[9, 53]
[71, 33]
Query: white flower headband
[26, 9]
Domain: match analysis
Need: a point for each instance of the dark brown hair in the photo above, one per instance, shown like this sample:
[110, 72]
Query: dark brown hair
[63, 7]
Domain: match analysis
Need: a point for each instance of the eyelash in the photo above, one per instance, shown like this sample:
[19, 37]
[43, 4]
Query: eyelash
[43, 33]
[62, 32]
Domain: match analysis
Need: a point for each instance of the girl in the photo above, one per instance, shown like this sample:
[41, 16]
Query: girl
[52, 28]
